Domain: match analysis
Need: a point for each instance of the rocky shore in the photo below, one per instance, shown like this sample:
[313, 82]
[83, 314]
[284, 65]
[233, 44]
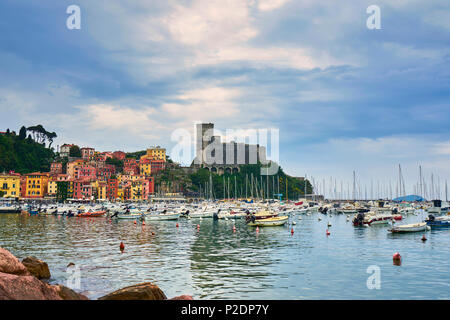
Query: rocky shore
[25, 280]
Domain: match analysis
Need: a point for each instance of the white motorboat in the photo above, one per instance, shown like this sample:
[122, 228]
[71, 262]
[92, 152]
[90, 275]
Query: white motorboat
[414, 227]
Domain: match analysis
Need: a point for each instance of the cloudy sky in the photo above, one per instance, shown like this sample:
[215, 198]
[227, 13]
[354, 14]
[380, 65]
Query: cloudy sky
[343, 97]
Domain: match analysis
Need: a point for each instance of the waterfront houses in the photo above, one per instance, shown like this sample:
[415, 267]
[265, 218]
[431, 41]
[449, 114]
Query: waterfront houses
[10, 184]
[89, 177]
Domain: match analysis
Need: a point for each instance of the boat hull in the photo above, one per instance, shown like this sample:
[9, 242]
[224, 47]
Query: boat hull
[270, 222]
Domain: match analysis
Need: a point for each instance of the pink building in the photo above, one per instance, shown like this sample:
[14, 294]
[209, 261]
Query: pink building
[82, 190]
[56, 168]
[106, 171]
[86, 172]
[88, 153]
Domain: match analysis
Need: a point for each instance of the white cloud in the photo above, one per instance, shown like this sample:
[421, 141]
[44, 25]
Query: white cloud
[269, 5]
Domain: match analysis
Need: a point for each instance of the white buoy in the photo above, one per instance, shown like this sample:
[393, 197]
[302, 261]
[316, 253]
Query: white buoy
[320, 219]
[329, 224]
[294, 223]
[299, 218]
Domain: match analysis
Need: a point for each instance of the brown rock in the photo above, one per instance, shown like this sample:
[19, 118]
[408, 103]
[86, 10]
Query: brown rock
[68, 294]
[14, 287]
[182, 297]
[10, 264]
[141, 291]
[37, 267]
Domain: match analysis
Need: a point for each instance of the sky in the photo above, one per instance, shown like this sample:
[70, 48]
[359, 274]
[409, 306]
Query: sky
[344, 97]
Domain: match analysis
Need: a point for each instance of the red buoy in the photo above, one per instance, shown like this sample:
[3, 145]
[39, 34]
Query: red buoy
[397, 258]
[328, 232]
[424, 238]
[177, 224]
[134, 221]
[143, 223]
[257, 229]
[234, 228]
[292, 230]
[122, 246]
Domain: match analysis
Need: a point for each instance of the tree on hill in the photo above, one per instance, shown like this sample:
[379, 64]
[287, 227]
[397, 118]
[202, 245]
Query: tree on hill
[75, 152]
[40, 135]
[23, 133]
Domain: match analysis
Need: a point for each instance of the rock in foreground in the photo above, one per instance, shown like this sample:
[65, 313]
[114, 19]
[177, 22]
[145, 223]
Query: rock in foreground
[141, 291]
[10, 264]
[182, 297]
[14, 287]
[36, 267]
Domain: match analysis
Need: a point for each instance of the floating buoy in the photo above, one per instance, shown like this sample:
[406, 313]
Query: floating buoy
[143, 223]
[234, 228]
[424, 238]
[257, 229]
[292, 230]
[177, 224]
[153, 233]
[134, 221]
[328, 232]
[397, 258]
[294, 223]
[329, 224]
[198, 227]
[122, 246]
[320, 219]
[299, 218]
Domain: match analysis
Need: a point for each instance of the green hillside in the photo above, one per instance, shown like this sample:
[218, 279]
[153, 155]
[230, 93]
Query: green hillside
[23, 154]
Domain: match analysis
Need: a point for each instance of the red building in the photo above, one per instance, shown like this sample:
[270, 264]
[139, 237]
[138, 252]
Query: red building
[106, 171]
[82, 190]
[56, 168]
[157, 165]
[112, 189]
[131, 167]
[86, 172]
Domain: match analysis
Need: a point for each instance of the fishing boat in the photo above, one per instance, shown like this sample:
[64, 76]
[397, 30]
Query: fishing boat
[414, 227]
[438, 222]
[91, 214]
[9, 209]
[162, 216]
[269, 222]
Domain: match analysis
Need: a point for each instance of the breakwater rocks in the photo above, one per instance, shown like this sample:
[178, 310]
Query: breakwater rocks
[21, 281]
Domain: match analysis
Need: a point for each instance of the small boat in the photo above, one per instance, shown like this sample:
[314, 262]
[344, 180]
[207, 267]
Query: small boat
[414, 227]
[438, 222]
[269, 222]
[162, 216]
[91, 214]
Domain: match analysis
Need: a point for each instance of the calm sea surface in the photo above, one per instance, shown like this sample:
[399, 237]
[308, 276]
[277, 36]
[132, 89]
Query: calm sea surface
[215, 263]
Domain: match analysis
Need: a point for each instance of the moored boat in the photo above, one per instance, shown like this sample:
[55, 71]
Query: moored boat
[269, 222]
[413, 227]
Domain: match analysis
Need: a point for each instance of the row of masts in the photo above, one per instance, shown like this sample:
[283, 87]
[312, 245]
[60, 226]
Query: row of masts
[339, 190]
[263, 188]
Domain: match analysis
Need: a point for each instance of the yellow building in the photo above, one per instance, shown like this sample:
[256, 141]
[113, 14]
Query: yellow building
[145, 168]
[10, 185]
[52, 187]
[36, 185]
[156, 153]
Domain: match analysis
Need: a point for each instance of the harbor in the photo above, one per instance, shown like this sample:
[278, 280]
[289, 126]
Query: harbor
[314, 255]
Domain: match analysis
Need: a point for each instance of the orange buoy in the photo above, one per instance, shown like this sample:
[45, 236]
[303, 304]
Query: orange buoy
[143, 223]
[397, 258]
[292, 230]
[177, 224]
[424, 238]
[122, 246]
[134, 221]
[153, 233]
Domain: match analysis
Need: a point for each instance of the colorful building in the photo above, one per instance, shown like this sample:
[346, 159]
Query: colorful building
[65, 150]
[157, 165]
[156, 153]
[119, 155]
[145, 167]
[36, 185]
[88, 153]
[10, 185]
[56, 168]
